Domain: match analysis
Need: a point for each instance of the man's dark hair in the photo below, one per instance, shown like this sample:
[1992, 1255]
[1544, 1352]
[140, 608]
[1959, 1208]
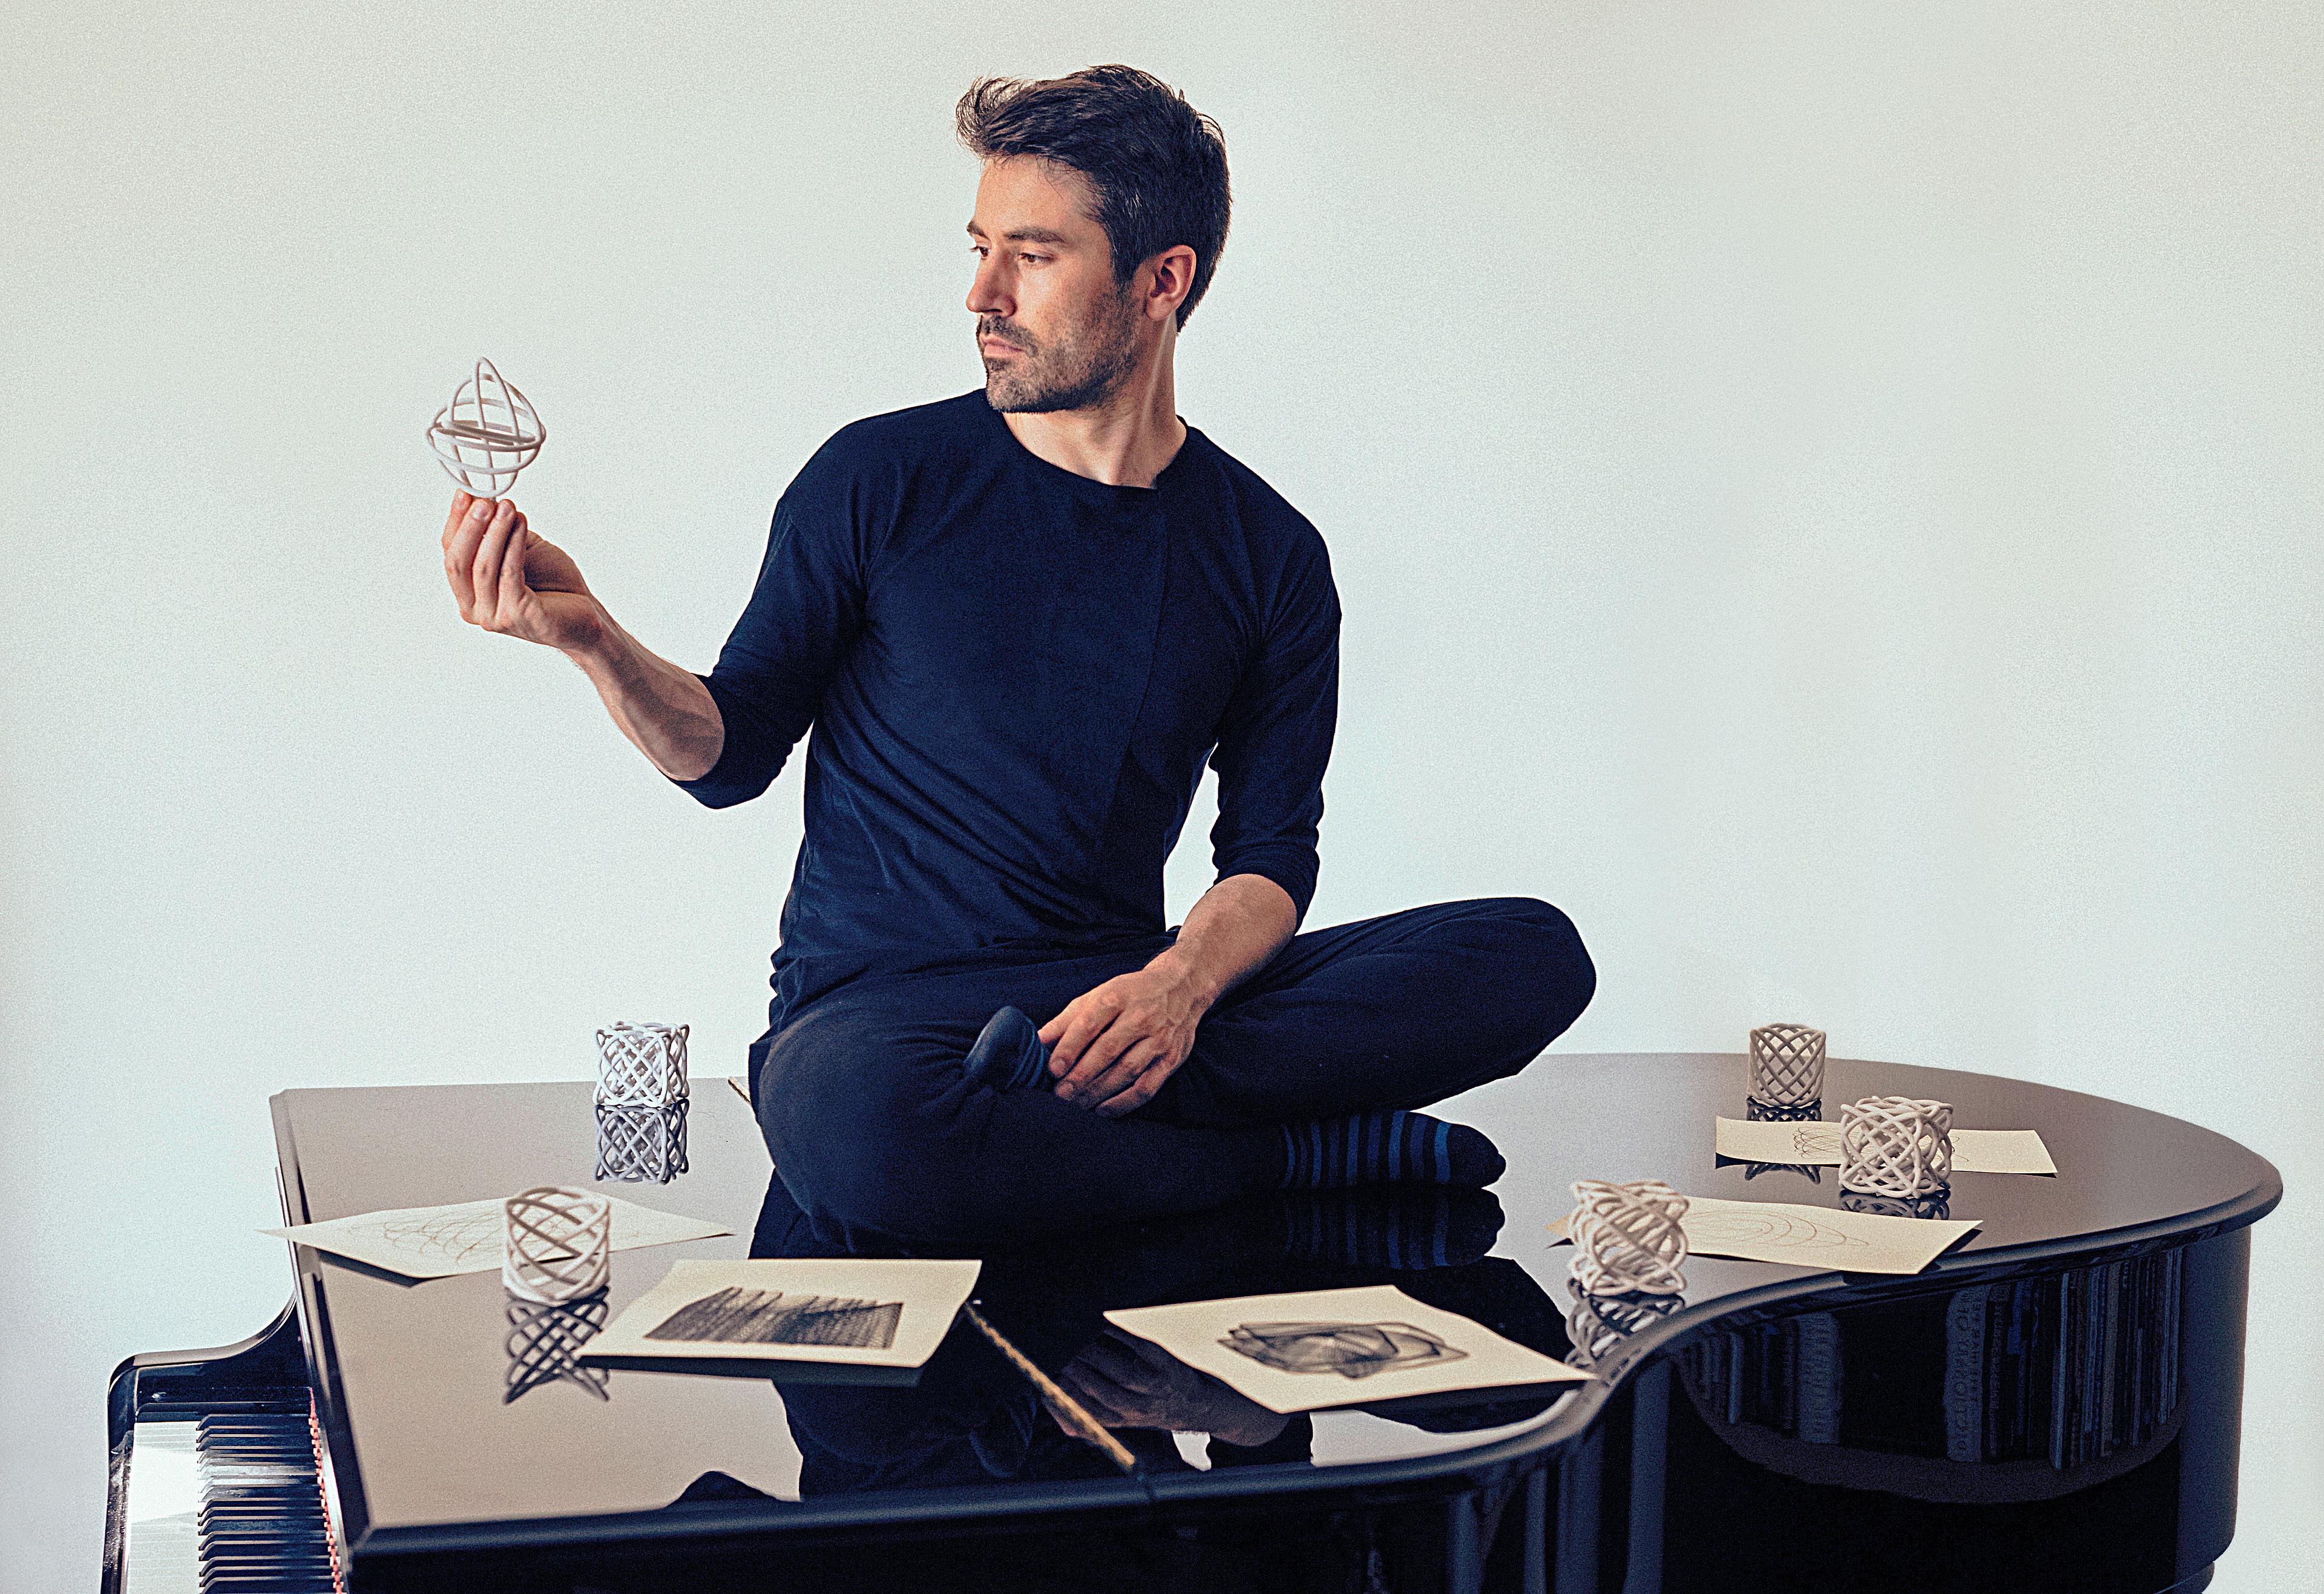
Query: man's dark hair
[1157, 165]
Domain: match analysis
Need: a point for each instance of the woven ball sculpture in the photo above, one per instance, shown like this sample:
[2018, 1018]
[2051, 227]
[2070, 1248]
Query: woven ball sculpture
[1895, 1146]
[487, 418]
[559, 1244]
[1787, 1065]
[1626, 1238]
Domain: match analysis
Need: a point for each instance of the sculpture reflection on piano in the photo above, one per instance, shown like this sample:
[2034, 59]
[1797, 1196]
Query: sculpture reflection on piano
[544, 1341]
[1759, 1111]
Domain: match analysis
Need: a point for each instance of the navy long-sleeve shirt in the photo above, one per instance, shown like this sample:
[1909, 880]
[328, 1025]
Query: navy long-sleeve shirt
[1015, 674]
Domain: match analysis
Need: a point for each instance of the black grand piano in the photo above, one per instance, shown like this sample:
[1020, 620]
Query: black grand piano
[2052, 1405]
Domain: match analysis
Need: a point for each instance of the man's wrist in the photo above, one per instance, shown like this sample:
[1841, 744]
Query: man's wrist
[1197, 979]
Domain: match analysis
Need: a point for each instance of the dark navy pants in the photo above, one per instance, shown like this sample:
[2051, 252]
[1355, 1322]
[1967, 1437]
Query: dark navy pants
[877, 1134]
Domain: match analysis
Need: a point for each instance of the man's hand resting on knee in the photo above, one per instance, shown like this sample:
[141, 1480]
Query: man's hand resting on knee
[1114, 1046]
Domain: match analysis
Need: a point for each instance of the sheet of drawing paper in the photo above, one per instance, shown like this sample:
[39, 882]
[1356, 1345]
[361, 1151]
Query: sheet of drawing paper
[854, 1311]
[1811, 1237]
[1817, 1237]
[741, 1085]
[1813, 1143]
[437, 1242]
[1313, 1349]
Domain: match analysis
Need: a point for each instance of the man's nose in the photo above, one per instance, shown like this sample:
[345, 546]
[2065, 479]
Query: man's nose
[988, 292]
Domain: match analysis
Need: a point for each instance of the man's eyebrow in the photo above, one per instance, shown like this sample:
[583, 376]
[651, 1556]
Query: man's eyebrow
[1024, 234]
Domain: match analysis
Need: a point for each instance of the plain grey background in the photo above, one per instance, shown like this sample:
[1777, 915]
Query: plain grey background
[1826, 494]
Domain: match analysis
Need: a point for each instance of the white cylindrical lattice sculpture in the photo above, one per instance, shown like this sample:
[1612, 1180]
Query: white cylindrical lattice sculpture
[1626, 1238]
[1895, 1146]
[1787, 1065]
[559, 1244]
[487, 433]
[641, 1065]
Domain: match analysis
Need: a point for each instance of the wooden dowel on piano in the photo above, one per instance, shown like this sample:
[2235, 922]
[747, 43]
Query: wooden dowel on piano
[1076, 1418]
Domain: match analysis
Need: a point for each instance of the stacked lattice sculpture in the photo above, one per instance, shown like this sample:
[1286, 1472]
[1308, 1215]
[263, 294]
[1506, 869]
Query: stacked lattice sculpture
[1895, 1147]
[641, 1099]
[1786, 1065]
[490, 420]
[559, 1244]
[1626, 1238]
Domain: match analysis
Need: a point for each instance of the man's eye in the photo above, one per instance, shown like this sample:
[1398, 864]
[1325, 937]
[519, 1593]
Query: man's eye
[1032, 257]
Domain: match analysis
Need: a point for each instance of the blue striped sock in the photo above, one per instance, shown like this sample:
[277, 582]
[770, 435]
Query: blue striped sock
[1394, 1147]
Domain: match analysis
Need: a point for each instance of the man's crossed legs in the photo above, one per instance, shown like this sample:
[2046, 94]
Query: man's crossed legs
[879, 1131]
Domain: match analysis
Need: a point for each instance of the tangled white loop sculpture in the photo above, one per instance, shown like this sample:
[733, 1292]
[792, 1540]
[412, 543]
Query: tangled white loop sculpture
[641, 1064]
[559, 1244]
[1895, 1146]
[1787, 1065]
[1626, 1238]
[489, 417]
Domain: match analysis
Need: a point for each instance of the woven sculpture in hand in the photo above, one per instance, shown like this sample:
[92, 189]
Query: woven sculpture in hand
[638, 1144]
[544, 1343]
[559, 1244]
[640, 1064]
[1626, 1238]
[1895, 1146]
[490, 419]
[1787, 1065]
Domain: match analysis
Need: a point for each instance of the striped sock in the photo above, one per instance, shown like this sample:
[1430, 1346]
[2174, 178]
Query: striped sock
[1389, 1226]
[1394, 1147]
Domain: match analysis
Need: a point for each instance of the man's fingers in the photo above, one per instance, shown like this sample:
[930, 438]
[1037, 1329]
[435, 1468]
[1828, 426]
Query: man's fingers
[1139, 1053]
[460, 502]
[1081, 1029]
[460, 558]
[512, 587]
[1100, 1056]
[487, 572]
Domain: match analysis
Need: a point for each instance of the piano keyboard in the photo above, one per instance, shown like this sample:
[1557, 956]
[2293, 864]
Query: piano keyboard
[227, 1502]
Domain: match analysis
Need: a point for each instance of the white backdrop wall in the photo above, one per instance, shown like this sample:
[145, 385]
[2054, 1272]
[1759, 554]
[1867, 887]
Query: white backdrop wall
[1827, 494]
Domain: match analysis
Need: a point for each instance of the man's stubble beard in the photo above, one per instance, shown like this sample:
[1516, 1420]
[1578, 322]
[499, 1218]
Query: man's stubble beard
[1081, 374]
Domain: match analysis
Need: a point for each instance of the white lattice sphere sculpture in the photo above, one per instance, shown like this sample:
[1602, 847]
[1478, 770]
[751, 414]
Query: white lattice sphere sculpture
[641, 1065]
[1895, 1146]
[487, 433]
[1626, 1238]
[1787, 1065]
[559, 1244]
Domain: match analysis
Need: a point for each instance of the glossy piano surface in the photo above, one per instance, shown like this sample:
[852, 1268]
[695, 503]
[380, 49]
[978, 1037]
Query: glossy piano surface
[2068, 1378]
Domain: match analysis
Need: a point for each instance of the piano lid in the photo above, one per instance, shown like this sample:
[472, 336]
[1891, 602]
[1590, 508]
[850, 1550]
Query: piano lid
[442, 1407]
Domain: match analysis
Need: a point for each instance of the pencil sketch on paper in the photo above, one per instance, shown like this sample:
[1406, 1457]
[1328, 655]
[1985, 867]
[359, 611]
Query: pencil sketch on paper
[739, 1316]
[1815, 1140]
[1765, 1227]
[1352, 1350]
[456, 1235]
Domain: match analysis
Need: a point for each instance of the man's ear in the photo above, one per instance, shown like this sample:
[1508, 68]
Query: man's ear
[1173, 279]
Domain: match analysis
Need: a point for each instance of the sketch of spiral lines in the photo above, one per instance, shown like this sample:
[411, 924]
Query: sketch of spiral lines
[1811, 1140]
[447, 1237]
[1708, 1231]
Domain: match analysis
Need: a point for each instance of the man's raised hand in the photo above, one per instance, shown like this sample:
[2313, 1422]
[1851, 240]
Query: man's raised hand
[509, 578]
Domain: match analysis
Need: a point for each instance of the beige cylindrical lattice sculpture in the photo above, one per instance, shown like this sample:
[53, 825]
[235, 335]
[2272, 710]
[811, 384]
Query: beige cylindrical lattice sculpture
[491, 421]
[1787, 1065]
[1626, 1238]
[641, 1065]
[1895, 1146]
[559, 1244]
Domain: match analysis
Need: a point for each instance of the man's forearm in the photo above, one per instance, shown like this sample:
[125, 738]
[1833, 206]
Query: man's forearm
[1240, 923]
[662, 707]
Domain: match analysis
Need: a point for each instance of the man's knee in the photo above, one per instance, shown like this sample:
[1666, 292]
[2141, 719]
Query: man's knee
[1552, 973]
[864, 1131]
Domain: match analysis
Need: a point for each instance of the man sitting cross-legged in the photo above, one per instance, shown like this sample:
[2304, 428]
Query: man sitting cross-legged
[1020, 621]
